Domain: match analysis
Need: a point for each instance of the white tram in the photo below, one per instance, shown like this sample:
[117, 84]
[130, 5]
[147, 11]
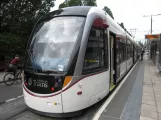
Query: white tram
[74, 57]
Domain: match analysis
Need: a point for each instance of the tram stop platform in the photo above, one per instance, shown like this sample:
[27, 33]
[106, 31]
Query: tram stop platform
[139, 97]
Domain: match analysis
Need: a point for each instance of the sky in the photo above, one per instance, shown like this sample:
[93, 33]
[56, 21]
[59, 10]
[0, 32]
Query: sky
[131, 13]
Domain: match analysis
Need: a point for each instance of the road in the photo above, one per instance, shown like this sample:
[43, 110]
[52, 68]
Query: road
[9, 92]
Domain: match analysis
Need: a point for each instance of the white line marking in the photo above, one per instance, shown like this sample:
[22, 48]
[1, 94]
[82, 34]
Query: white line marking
[20, 96]
[14, 98]
[99, 112]
[11, 99]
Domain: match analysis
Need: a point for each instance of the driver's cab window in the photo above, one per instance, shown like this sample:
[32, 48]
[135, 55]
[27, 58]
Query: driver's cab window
[96, 50]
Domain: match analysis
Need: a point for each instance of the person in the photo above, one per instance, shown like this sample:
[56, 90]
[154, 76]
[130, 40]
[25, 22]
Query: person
[14, 65]
[142, 53]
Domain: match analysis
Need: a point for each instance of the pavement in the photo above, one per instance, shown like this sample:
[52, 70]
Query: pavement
[151, 98]
[126, 104]
[140, 96]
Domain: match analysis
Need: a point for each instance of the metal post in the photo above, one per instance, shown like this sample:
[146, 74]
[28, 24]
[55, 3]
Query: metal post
[151, 20]
[151, 24]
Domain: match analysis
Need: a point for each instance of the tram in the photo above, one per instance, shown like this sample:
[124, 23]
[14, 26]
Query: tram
[75, 56]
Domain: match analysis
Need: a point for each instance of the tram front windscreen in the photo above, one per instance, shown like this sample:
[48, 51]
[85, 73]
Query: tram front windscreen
[52, 43]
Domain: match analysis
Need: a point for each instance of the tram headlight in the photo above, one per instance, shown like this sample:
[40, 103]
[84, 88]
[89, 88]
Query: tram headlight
[56, 85]
[29, 81]
[59, 82]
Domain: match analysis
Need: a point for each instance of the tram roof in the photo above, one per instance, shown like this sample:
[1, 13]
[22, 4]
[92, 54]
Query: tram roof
[80, 11]
[75, 10]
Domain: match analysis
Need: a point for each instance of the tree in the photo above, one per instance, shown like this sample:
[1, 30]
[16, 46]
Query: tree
[108, 11]
[63, 5]
[69, 3]
[122, 25]
[89, 2]
[17, 18]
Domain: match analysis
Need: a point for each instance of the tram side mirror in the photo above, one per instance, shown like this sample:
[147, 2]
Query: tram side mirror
[105, 25]
[99, 22]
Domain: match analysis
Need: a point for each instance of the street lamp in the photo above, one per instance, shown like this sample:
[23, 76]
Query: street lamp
[151, 19]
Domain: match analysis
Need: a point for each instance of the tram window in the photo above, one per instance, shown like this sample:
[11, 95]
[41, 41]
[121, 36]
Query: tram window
[124, 50]
[157, 46]
[118, 49]
[129, 49]
[96, 51]
[121, 50]
[132, 50]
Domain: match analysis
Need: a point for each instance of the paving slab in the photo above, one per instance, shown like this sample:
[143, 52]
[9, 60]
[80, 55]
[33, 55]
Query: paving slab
[149, 107]
[148, 94]
[159, 106]
[145, 118]
[149, 114]
[159, 116]
[148, 102]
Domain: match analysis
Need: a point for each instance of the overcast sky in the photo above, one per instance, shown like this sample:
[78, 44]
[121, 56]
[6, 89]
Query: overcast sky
[131, 12]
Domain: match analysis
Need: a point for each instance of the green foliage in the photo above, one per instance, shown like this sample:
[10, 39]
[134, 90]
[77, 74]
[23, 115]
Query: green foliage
[89, 2]
[74, 3]
[63, 5]
[69, 3]
[122, 25]
[12, 44]
[108, 11]
[17, 20]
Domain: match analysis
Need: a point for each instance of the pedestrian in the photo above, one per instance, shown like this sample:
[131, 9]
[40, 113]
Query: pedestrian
[142, 54]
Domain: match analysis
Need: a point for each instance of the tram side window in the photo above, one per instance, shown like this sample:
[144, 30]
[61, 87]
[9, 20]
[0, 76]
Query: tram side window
[95, 52]
[123, 50]
[129, 49]
[118, 51]
[157, 46]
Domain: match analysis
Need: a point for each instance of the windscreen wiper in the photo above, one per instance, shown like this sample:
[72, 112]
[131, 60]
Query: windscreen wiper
[50, 71]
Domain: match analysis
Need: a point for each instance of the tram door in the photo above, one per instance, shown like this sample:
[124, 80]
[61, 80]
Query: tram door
[112, 61]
